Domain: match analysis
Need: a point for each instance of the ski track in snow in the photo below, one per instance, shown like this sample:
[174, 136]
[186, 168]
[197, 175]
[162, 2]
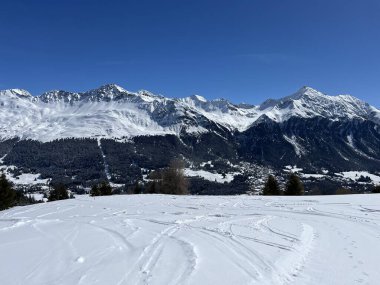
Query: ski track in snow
[156, 239]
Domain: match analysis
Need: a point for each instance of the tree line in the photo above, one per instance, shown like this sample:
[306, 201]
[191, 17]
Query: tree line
[293, 187]
[170, 180]
[9, 197]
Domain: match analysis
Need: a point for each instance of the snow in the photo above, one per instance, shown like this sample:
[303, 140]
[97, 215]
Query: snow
[106, 166]
[113, 112]
[200, 98]
[312, 175]
[350, 141]
[38, 196]
[292, 168]
[295, 169]
[299, 150]
[308, 103]
[156, 239]
[15, 92]
[209, 163]
[355, 175]
[22, 179]
[28, 179]
[210, 175]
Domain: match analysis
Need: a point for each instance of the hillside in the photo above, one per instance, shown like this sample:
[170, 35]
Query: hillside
[111, 133]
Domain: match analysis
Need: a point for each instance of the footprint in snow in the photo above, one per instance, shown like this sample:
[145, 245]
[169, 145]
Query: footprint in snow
[80, 259]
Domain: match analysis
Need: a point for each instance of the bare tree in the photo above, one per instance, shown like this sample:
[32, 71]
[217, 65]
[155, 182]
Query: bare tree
[173, 179]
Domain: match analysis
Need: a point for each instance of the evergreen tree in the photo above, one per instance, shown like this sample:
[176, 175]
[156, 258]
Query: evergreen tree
[294, 186]
[135, 188]
[21, 199]
[343, 191]
[105, 189]
[95, 190]
[376, 189]
[59, 192]
[7, 194]
[271, 186]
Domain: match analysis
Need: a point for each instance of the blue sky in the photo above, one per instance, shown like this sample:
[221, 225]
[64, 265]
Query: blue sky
[243, 50]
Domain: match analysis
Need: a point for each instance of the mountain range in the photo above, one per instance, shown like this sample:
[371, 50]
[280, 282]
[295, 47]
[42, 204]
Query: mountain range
[113, 112]
[315, 131]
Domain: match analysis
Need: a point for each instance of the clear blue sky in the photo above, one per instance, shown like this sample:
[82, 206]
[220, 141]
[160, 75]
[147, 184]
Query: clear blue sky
[243, 50]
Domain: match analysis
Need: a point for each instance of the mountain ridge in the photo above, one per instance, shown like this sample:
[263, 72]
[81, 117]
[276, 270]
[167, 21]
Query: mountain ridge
[111, 111]
[114, 134]
[304, 90]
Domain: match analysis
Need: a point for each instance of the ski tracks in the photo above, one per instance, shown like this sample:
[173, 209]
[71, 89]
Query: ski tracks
[142, 271]
[155, 239]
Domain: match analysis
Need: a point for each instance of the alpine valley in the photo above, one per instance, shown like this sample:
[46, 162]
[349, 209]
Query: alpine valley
[114, 134]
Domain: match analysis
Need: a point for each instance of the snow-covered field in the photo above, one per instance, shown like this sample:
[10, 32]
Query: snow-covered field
[155, 239]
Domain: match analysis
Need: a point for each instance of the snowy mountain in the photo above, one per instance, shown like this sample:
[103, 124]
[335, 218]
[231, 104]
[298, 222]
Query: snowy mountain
[309, 103]
[113, 112]
[111, 133]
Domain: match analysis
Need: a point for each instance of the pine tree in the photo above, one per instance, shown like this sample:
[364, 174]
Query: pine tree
[376, 189]
[59, 193]
[271, 186]
[105, 189]
[294, 186]
[7, 194]
[95, 190]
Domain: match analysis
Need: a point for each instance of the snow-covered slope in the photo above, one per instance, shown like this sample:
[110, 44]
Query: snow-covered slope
[155, 239]
[309, 103]
[113, 112]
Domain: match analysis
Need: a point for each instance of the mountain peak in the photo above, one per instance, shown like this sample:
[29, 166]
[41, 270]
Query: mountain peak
[16, 92]
[198, 98]
[111, 87]
[308, 91]
[59, 95]
[143, 112]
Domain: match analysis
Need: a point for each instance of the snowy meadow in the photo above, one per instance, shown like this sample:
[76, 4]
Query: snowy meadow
[162, 239]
